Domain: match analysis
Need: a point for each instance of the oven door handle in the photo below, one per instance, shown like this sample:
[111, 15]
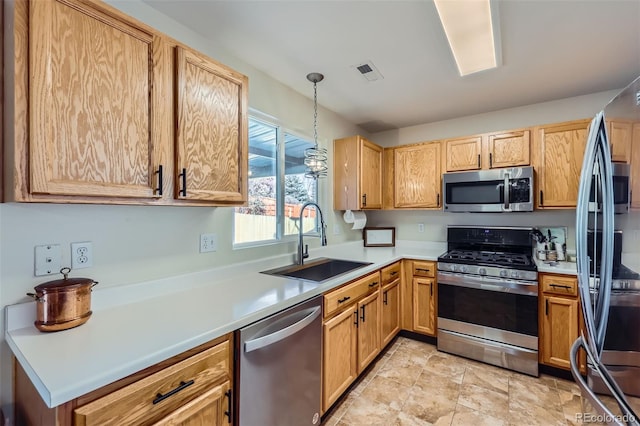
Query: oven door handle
[527, 288]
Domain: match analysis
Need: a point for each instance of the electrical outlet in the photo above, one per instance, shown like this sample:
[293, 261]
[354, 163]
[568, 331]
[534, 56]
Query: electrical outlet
[208, 242]
[48, 259]
[81, 255]
[421, 227]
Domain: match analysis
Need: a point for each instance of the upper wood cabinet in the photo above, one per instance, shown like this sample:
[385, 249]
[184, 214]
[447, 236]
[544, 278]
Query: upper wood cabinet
[620, 134]
[388, 184]
[488, 151]
[109, 110]
[90, 100]
[417, 177]
[635, 168]
[559, 152]
[211, 130]
[463, 153]
[357, 173]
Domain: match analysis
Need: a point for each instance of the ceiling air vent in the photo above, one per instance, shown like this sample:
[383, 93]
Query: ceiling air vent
[368, 71]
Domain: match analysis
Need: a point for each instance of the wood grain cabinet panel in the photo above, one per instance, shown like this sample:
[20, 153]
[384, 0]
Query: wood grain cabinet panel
[340, 361]
[635, 167]
[560, 152]
[424, 305]
[388, 184]
[210, 408]
[620, 134]
[90, 102]
[463, 153]
[390, 312]
[211, 130]
[559, 330]
[357, 168]
[179, 383]
[417, 176]
[368, 330]
[509, 149]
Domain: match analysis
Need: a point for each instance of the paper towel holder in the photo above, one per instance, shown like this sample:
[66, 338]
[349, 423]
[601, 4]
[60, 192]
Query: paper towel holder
[379, 236]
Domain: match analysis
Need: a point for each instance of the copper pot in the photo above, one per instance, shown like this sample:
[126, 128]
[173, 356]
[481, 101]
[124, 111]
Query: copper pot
[63, 304]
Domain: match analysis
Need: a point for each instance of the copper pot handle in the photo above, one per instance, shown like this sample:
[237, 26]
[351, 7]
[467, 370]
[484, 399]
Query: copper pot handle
[35, 296]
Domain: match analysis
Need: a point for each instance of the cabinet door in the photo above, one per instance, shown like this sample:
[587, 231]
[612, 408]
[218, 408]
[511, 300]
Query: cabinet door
[211, 136]
[390, 322]
[368, 330]
[417, 176]
[370, 175]
[509, 149]
[463, 154]
[559, 330]
[211, 408]
[90, 102]
[340, 366]
[561, 151]
[424, 306]
[620, 140]
[635, 168]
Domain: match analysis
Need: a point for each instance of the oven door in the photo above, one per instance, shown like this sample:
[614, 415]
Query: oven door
[502, 310]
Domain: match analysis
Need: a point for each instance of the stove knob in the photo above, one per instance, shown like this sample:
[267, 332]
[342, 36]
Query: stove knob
[463, 269]
[503, 273]
[482, 271]
[514, 274]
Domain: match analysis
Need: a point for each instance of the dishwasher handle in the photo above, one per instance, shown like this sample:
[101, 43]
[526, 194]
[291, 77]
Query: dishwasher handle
[269, 339]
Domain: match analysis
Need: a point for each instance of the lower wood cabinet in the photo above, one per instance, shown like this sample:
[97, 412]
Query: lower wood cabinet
[193, 388]
[390, 312]
[424, 297]
[559, 314]
[351, 338]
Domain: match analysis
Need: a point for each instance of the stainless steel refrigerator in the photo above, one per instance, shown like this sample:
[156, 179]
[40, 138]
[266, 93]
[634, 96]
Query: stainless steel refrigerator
[608, 261]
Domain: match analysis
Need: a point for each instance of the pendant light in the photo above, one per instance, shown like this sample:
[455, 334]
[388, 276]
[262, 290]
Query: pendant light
[315, 159]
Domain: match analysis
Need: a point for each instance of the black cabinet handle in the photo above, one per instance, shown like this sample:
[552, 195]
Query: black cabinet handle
[183, 176]
[159, 173]
[344, 299]
[478, 160]
[384, 298]
[541, 198]
[227, 413]
[490, 160]
[160, 397]
[362, 310]
[438, 199]
[364, 200]
[430, 288]
[560, 285]
[355, 321]
[546, 306]
[423, 270]
[373, 284]
[392, 273]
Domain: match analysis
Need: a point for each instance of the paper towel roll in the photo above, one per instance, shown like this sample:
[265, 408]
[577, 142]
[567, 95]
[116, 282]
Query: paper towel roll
[358, 218]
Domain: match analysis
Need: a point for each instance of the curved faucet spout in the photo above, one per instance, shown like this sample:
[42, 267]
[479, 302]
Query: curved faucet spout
[303, 251]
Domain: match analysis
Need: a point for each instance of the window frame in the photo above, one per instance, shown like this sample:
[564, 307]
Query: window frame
[280, 173]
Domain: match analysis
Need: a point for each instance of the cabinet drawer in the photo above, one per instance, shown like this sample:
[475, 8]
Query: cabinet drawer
[558, 284]
[390, 273]
[345, 296]
[154, 397]
[424, 269]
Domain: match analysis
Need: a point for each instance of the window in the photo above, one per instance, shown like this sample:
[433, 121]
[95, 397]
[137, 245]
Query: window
[277, 187]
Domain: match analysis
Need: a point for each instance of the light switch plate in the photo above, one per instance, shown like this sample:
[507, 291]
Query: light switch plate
[48, 259]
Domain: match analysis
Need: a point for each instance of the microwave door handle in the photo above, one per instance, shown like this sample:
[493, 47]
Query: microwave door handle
[506, 191]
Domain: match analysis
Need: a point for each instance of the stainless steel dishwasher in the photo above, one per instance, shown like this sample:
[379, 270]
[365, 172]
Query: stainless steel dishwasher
[279, 368]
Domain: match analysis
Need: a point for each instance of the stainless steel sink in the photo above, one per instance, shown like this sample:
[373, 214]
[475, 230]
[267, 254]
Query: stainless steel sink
[317, 270]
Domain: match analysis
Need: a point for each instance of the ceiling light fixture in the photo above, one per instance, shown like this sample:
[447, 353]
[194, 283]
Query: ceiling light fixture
[315, 158]
[471, 26]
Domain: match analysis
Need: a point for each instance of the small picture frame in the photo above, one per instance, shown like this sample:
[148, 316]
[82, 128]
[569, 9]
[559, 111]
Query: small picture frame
[379, 236]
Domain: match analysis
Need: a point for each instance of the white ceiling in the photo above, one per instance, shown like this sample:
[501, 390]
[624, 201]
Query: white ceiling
[551, 49]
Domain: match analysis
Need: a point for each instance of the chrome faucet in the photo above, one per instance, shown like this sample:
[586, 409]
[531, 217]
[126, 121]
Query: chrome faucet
[304, 253]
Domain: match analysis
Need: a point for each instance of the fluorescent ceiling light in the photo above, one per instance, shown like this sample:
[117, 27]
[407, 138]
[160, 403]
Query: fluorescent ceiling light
[469, 29]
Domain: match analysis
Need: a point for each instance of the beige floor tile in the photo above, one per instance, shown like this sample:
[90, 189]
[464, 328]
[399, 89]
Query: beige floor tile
[488, 377]
[464, 416]
[432, 399]
[338, 410]
[536, 416]
[444, 364]
[405, 419]
[387, 391]
[366, 411]
[484, 400]
[525, 391]
[400, 368]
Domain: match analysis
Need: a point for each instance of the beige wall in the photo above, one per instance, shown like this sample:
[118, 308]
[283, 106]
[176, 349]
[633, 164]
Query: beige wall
[138, 243]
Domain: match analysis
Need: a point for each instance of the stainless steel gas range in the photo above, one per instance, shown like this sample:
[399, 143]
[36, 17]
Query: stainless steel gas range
[488, 297]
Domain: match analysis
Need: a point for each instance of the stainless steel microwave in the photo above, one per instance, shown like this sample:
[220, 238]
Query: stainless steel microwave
[497, 190]
[621, 194]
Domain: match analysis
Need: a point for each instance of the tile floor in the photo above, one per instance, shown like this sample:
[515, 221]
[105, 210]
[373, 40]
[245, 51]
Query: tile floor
[414, 384]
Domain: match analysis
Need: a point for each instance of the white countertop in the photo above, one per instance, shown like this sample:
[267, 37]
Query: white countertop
[136, 326]
[566, 268]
